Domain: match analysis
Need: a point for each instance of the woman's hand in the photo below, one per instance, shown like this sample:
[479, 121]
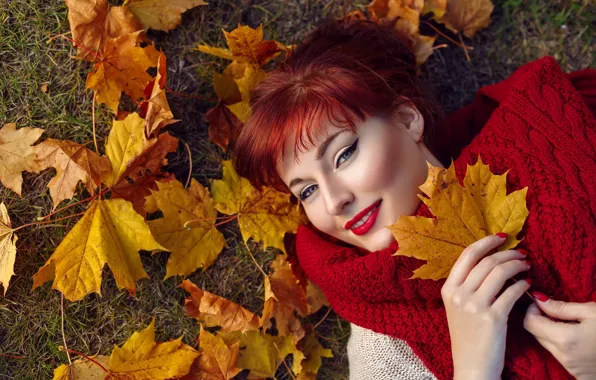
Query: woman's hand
[573, 344]
[477, 319]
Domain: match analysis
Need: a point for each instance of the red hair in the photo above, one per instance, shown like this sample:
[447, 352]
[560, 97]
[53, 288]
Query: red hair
[343, 72]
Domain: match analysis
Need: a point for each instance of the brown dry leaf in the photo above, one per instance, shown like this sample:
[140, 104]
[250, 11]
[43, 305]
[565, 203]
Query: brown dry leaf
[468, 16]
[156, 108]
[161, 14]
[136, 161]
[217, 361]
[285, 286]
[8, 248]
[82, 369]
[17, 154]
[122, 67]
[73, 163]
[110, 232]
[283, 313]
[262, 215]
[463, 215]
[93, 22]
[196, 244]
[223, 125]
[213, 310]
[44, 87]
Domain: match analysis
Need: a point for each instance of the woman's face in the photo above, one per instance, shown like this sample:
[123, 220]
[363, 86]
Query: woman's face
[363, 181]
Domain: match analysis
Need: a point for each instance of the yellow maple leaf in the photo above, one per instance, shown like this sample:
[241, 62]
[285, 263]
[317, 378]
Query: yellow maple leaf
[468, 16]
[463, 216]
[8, 249]
[122, 67]
[82, 369]
[161, 14]
[262, 215]
[73, 163]
[195, 245]
[313, 352]
[109, 232]
[93, 22]
[213, 310]
[218, 361]
[17, 154]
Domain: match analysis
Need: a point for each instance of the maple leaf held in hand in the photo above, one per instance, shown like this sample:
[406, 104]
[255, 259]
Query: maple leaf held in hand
[262, 215]
[464, 214]
[110, 232]
[8, 249]
[17, 154]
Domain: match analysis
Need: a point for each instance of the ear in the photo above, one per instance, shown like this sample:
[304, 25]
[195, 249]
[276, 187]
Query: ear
[408, 115]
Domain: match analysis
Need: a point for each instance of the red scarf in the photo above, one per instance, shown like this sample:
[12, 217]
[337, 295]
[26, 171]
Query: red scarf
[536, 125]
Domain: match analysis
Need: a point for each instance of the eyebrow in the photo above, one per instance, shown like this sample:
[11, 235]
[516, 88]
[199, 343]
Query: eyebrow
[320, 153]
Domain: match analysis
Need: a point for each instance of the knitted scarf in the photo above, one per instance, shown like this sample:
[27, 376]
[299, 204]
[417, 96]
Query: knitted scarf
[537, 125]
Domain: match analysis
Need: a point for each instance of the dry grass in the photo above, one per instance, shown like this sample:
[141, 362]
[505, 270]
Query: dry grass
[30, 321]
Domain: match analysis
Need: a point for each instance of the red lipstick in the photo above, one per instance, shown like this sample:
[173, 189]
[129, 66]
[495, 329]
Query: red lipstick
[361, 230]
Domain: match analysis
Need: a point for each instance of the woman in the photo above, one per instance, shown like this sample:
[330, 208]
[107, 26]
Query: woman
[345, 126]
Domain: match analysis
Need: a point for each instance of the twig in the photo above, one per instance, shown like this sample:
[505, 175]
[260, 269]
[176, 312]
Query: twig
[64, 335]
[253, 259]
[446, 36]
[322, 319]
[464, 47]
[88, 358]
[189, 169]
[47, 221]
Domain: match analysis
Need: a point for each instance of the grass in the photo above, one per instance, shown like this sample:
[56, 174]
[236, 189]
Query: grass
[30, 321]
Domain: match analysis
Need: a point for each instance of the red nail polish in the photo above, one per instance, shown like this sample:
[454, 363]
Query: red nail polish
[502, 235]
[540, 296]
[529, 281]
[523, 251]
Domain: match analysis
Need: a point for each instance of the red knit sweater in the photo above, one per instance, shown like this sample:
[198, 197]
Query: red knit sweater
[536, 125]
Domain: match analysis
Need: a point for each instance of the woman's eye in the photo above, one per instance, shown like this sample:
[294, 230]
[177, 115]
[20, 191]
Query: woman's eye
[346, 154]
[306, 193]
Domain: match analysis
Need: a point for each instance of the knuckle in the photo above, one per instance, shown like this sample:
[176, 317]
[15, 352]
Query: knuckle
[458, 300]
[490, 261]
[567, 344]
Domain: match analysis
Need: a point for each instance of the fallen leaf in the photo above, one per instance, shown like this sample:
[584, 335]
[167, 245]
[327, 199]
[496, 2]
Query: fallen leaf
[161, 14]
[463, 216]
[213, 310]
[285, 286]
[223, 125]
[44, 88]
[217, 361]
[109, 232]
[8, 249]
[136, 161]
[82, 369]
[468, 16]
[156, 109]
[93, 22]
[422, 46]
[313, 352]
[122, 67]
[436, 7]
[283, 313]
[141, 358]
[73, 163]
[262, 215]
[17, 154]
[196, 245]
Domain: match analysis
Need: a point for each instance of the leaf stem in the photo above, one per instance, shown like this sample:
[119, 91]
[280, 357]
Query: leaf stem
[226, 220]
[12, 356]
[190, 164]
[88, 358]
[93, 121]
[48, 221]
[253, 259]
[91, 198]
[464, 47]
[446, 36]
[322, 319]
[62, 322]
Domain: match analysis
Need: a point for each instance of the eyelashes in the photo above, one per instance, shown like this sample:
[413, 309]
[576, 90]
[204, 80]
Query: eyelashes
[346, 153]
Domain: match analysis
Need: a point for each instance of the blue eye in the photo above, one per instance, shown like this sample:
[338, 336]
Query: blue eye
[305, 193]
[347, 153]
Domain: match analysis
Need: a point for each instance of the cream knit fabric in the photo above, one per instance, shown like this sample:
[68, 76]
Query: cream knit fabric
[375, 356]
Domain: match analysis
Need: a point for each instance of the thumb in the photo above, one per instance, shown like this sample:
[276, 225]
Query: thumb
[568, 311]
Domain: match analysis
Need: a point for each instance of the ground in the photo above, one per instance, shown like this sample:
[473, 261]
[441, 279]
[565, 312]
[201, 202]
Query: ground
[30, 322]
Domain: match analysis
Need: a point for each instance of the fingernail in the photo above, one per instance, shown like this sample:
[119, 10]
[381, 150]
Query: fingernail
[540, 296]
[527, 262]
[502, 235]
[523, 251]
[529, 281]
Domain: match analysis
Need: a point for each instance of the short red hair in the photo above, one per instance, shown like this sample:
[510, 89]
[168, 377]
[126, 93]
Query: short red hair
[342, 72]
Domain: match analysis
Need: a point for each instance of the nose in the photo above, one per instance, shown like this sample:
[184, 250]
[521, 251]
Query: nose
[336, 196]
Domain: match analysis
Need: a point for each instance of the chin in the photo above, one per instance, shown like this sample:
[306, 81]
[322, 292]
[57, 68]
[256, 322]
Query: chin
[381, 239]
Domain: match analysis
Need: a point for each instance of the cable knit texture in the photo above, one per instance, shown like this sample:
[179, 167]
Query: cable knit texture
[536, 126]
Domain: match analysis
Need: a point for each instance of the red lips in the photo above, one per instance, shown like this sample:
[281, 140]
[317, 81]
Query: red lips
[360, 215]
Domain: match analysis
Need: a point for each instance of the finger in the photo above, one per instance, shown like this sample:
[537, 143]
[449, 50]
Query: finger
[496, 279]
[470, 256]
[509, 297]
[486, 265]
[542, 327]
[569, 311]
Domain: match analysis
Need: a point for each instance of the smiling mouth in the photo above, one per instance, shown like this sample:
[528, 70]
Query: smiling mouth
[364, 220]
